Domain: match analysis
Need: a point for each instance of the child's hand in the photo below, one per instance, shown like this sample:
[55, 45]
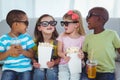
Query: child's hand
[50, 64]
[19, 48]
[13, 51]
[67, 58]
[36, 65]
[81, 55]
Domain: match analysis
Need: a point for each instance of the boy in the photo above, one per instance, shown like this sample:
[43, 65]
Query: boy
[102, 43]
[15, 48]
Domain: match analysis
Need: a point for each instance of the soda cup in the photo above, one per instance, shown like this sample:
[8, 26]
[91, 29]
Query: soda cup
[91, 68]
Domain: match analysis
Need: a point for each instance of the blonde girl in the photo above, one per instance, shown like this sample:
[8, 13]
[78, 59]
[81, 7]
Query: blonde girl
[73, 36]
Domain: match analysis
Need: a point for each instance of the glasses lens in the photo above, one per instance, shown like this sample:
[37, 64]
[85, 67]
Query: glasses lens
[94, 14]
[97, 14]
[64, 23]
[53, 23]
[89, 15]
[44, 23]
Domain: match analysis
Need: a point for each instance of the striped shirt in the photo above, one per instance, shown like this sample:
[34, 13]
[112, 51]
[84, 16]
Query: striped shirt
[20, 63]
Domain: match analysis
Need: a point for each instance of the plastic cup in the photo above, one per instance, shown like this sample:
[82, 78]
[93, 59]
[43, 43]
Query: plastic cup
[91, 68]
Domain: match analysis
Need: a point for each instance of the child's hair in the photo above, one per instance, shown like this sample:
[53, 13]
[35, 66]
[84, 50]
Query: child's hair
[75, 15]
[101, 11]
[38, 34]
[14, 15]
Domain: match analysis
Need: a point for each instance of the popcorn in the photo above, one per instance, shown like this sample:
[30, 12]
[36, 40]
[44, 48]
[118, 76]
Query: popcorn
[72, 50]
[45, 44]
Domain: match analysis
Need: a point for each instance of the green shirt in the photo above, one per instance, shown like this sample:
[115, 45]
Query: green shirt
[103, 46]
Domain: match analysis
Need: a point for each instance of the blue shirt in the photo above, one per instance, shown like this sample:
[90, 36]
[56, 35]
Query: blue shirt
[20, 63]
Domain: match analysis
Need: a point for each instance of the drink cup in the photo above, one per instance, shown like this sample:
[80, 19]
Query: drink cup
[91, 68]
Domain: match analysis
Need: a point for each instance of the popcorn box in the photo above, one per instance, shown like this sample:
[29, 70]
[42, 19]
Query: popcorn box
[44, 54]
[74, 64]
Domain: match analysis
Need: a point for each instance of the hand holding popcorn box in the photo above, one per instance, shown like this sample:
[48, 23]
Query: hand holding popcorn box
[75, 62]
[44, 54]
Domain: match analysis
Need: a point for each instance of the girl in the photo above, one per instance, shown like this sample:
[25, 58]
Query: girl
[45, 31]
[72, 37]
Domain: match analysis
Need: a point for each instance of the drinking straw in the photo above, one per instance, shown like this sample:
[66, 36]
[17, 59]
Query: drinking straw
[91, 56]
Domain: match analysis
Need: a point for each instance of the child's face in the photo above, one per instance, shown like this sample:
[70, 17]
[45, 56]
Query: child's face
[92, 19]
[47, 25]
[69, 25]
[22, 25]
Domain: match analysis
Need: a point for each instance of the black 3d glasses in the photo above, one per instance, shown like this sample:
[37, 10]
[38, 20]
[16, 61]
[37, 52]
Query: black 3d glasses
[93, 14]
[25, 22]
[66, 23]
[46, 23]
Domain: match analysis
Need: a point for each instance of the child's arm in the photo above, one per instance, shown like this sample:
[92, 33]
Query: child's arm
[53, 62]
[28, 53]
[3, 55]
[81, 54]
[61, 53]
[35, 64]
[11, 52]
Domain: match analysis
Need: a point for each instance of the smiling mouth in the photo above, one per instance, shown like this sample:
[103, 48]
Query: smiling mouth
[49, 28]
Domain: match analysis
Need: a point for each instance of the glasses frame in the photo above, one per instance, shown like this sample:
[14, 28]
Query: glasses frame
[66, 23]
[46, 23]
[93, 14]
[25, 22]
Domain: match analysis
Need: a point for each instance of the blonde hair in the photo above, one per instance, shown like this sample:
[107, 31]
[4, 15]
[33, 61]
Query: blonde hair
[80, 29]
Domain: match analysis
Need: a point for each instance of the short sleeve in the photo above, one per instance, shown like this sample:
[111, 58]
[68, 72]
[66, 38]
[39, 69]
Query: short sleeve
[116, 40]
[60, 38]
[84, 45]
[2, 49]
[30, 42]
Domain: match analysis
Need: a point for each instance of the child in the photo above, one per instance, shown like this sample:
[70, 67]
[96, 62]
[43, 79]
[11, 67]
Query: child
[102, 43]
[72, 37]
[45, 31]
[15, 48]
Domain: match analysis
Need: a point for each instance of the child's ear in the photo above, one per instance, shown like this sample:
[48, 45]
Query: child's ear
[77, 24]
[39, 28]
[100, 18]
